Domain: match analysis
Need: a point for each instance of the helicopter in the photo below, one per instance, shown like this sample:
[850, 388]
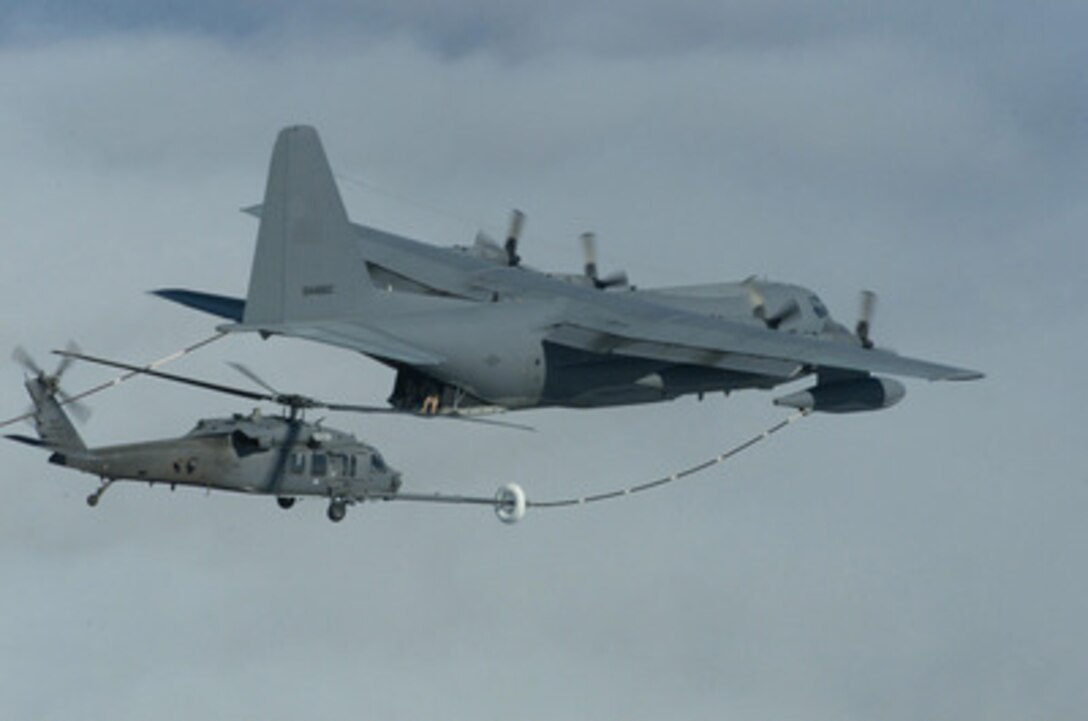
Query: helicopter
[283, 455]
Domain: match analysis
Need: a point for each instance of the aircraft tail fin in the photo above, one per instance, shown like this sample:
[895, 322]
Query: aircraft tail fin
[307, 265]
[53, 425]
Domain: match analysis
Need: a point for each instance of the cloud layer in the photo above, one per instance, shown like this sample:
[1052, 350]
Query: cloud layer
[916, 563]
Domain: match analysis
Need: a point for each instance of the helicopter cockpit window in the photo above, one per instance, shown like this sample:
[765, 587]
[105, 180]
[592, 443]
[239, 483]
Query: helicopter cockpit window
[377, 462]
[319, 465]
[298, 463]
[337, 465]
[243, 444]
[353, 468]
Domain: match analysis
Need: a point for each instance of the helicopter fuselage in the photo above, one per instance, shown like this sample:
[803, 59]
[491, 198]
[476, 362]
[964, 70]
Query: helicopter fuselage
[248, 454]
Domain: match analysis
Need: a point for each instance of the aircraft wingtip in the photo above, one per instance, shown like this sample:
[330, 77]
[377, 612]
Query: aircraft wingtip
[965, 375]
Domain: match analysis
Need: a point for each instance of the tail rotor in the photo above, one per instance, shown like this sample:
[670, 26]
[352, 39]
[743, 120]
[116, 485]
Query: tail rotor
[51, 381]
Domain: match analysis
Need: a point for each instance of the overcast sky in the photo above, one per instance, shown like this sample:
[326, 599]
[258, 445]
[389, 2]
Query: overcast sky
[923, 562]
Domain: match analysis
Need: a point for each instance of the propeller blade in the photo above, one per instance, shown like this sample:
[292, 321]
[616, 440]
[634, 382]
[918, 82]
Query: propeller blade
[755, 299]
[26, 361]
[79, 409]
[866, 309]
[589, 253]
[66, 361]
[611, 280]
[758, 304]
[790, 310]
[517, 222]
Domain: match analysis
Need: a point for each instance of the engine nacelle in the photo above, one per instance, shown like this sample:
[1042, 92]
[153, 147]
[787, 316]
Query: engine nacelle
[847, 396]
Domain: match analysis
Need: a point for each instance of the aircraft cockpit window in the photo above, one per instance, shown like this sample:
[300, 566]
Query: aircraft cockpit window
[818, 307]
[319, 464]
[377, 462]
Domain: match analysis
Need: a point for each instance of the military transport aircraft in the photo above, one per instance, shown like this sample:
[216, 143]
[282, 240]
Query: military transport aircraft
[280, 455]
[472, 329]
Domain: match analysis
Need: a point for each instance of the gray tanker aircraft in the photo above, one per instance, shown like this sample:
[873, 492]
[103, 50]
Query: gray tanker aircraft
[472, 329]
[281, 456]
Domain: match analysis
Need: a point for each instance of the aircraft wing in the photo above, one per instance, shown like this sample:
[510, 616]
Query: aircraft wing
[714, 342]
[630, 324]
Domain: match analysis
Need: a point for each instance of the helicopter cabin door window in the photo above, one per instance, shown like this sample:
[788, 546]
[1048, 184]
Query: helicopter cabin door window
[298, 464]
[319, 464]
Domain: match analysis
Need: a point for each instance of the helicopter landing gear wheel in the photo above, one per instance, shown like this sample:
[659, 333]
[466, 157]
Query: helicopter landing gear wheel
[285, 502]
[92, 500]
[337, 511]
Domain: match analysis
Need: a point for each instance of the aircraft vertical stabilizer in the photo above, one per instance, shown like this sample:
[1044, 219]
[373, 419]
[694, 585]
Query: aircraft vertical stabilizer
[52, 423]
[306, 266]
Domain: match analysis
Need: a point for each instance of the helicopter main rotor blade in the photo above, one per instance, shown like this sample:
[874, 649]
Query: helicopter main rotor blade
[292, 401]
[230, 390]
[380, 410]
[244, 370]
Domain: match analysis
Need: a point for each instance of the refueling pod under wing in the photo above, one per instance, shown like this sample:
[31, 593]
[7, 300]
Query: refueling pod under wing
[868, 393]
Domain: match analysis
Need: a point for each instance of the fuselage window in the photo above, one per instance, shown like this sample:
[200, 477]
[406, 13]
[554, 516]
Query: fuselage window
[298, 463]
[319, 465]
[354, 467]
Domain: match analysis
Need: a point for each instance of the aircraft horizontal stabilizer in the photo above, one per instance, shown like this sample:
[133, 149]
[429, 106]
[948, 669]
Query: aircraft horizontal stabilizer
[36, 442]
[220, 305]
[345, 334]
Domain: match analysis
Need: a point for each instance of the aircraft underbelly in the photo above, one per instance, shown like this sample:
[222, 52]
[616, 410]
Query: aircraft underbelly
[508, 369]
[511, 373]
[581, 379]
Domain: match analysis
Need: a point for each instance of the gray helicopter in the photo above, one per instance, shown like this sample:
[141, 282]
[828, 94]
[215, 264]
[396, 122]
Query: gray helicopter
[278, 455]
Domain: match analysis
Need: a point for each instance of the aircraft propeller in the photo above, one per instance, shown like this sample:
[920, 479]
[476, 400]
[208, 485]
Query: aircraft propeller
[589, 251]
[759, 306]
[867, 306]
[52, 381]
[517, 222]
